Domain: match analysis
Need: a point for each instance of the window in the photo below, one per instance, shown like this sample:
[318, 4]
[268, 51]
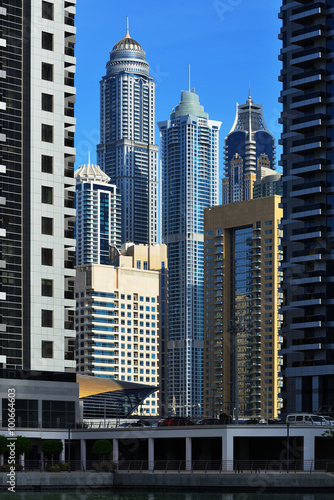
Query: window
[145, 265]
[47, 164]
[47, 288]
[47, 72]
[47, 349]
[47, 195]
[47, 257]
[47, 318]
[47, 102]
[47, 133]
[47, 40]
[47, 10]
[138, 264]
[47, 225]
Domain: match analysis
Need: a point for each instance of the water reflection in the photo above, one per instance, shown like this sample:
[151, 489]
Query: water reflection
[132, 495]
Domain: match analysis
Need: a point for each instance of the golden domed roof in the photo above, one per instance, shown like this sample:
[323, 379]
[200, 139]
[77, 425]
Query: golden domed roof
[127, 43]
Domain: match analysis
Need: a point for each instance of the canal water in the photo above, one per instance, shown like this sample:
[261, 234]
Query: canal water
[170, 495]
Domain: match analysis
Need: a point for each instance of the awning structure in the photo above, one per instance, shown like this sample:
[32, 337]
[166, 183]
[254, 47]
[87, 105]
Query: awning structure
[108, 398]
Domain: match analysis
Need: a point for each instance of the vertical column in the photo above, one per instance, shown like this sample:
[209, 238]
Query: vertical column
[315, 393]
[298, 393]
[150, 454]
[83, 454]
[40, 417]
[227, 449]
[62, 455]
[309, 442]
[188, 453]
[115, 450]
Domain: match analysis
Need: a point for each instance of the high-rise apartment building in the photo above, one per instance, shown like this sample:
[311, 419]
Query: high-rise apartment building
[248, 146]
[308, 201]
[267, 183]
[242, 363]
[127, 151]
[120, 316]
[189, 157]
[37, 97]
[98, 216]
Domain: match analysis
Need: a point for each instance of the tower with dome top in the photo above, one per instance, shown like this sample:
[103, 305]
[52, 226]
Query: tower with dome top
[127, 152]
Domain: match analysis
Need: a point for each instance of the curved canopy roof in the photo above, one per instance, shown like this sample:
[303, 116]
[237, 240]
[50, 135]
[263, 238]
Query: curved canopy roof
[104, 397]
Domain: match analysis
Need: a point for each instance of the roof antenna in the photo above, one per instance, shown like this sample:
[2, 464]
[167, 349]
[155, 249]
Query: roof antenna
[188, 77]
[127, 27]
[88, 158]
[249, 90]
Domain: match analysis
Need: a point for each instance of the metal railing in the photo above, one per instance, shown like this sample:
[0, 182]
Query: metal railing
[177, 466]
[221, 466]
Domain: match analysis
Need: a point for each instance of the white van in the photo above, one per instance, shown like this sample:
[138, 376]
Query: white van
[307, 419]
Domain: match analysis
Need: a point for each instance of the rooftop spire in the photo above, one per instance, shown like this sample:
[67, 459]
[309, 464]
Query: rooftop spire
[249, 90]
[188, 77]
[127, 27]
[88, 157]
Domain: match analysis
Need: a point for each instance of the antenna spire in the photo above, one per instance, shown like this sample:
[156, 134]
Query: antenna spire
[127, 26]
[189, 77]
[88, 157]
[249, 90]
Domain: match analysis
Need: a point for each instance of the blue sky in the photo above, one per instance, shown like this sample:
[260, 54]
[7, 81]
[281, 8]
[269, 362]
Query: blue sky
[226, 42]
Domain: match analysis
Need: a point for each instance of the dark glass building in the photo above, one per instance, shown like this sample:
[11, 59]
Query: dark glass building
[248, 146]
[307, 76]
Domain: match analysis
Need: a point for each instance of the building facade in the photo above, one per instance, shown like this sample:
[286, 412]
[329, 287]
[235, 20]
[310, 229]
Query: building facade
[242, 342]
[37, 97]
[307, 76]
[98, 216]
[120, 313]
[267, 183]
[127, 152]
[248, 146]
[190, 165]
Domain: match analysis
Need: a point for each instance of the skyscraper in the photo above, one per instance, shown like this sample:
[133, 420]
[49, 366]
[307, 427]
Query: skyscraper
[248, 146]
[37, 97]
[120, 336]
[127, 150]
[308, 201]
[189, 157]
[98, 216]
[241, 310]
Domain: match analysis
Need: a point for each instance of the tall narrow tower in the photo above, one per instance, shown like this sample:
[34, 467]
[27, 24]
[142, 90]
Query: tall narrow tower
[189, 156]
[248, 146]
[308, 202]
[127, 152]
[98, 217]
[37, 97]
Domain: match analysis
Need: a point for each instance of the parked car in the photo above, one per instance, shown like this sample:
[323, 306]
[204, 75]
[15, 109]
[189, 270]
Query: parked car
[175, 421]
[209, 421]
[306, 419]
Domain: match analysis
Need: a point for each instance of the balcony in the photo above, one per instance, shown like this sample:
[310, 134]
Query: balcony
[305, 211]
[307, 188]
[306, 11]
[308, 30]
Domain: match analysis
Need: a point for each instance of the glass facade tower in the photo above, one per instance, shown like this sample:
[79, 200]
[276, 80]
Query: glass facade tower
[98, 220]
[189, 156]
[127, 152]
[248, 146]
[307, 76]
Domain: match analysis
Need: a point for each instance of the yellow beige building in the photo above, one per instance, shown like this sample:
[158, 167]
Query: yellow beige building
[242, 255]
[121, 318]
